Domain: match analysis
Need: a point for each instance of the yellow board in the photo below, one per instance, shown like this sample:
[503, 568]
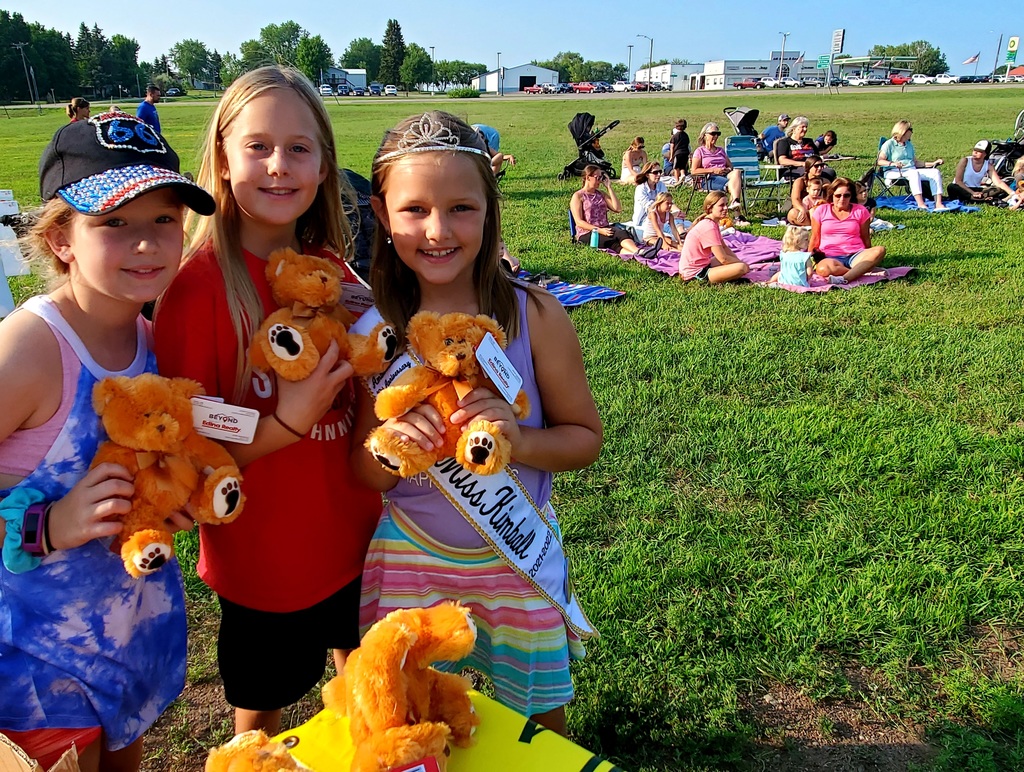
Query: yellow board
[504, 740]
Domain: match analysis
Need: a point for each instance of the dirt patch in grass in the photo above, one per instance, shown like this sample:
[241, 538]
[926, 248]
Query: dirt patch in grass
[839, 734]
[997, 651]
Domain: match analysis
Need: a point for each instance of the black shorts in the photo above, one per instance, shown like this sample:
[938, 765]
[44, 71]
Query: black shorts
[613, 242]
[270, 660]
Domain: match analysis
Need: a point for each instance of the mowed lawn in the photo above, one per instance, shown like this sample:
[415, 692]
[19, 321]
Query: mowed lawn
[802, 542]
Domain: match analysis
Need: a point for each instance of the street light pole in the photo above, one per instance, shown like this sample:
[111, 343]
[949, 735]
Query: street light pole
[433, 77]
[629, 62]
[782, 58]
[650, 61]
[499, 73]
[999, 48]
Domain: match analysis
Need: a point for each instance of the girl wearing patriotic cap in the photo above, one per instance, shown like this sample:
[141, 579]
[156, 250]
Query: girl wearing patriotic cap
[89, 656]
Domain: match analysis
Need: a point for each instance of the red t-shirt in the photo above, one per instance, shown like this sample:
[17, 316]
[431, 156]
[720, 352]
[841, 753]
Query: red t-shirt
[307, 522]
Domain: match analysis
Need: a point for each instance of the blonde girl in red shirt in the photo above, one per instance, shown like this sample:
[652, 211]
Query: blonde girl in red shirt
[287, 575]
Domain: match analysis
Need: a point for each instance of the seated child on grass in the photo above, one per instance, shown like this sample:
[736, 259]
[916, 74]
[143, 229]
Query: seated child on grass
[795, 259]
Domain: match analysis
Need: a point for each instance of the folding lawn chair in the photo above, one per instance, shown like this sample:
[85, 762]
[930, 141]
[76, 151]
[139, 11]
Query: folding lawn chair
[764, 185]
[887, 180]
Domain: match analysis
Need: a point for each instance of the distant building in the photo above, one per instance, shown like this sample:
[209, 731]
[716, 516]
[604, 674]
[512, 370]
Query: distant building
[513, 79]
[674, 76]
[338, 76]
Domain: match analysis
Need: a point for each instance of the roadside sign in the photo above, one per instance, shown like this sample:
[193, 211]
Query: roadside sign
[838, 36]
[823, 61]
[1011, 49]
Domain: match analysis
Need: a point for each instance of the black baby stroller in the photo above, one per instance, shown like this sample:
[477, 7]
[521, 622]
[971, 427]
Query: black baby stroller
[743, 118]
[1005, 153]
[588, 146]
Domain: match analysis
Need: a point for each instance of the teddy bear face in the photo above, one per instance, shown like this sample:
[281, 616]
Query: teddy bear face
[307, 279]
[448, 343]
[146, 412]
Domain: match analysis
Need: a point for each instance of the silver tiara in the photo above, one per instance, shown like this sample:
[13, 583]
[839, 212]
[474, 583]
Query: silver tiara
[429, 135]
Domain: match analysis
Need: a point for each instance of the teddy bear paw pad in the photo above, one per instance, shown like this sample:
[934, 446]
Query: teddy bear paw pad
[227, 497]
[152, 558]
[479, 447]
[387, 338]
[285, 342]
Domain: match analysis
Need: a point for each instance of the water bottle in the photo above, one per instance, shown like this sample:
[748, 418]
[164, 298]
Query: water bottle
[595, 239]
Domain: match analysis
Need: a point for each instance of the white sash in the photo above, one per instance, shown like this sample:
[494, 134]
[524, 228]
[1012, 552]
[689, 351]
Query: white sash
[501, 510]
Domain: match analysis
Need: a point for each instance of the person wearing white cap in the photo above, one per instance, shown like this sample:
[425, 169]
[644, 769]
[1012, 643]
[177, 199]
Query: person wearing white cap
[976, 180]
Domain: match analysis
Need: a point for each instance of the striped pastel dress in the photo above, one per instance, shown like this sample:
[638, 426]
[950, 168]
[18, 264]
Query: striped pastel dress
[424, 552]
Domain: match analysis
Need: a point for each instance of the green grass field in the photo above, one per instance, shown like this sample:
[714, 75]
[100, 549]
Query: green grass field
[803, 540]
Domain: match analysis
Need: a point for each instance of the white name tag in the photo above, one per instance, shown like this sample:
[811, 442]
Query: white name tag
[213, 418]
[356, 298]
[498, 368]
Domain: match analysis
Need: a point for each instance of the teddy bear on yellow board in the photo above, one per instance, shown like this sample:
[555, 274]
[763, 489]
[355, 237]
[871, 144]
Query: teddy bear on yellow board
[148, 419]
[400, 709]
[250, 751]
[447, 347]
[292, 339]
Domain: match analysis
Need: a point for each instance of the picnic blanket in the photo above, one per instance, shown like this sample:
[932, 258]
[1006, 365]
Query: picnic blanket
[763, 273]
[571, 295]
[749, 248]
[907, 203]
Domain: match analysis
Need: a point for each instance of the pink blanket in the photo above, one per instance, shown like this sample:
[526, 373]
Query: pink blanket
[819, 284]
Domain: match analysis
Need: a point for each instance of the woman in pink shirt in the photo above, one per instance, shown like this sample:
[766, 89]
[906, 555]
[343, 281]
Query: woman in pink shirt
[841, 231]
[711, 164]
[704, 255]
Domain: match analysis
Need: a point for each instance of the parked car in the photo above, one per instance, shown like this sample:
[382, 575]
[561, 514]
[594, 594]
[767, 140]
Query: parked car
[813, 82]
[748, 83]
[921, 80]
[557, 88]
[856, 80]
[771, 83]
[899, 80]
[534, 89]
[358, 91]
[325, 90]
[375, 89]
[791, 83]
[174, 92]
[837, 82]
[343, 90]
[601, 87]
[391, 90]
[583, 87]
[623, 85]
[658, 86]
[945, 78]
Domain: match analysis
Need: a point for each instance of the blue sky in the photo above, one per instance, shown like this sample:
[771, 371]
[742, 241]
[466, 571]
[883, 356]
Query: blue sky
[532, 29]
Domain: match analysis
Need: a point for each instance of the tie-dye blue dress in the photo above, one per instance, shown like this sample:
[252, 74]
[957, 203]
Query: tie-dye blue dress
[82, 643]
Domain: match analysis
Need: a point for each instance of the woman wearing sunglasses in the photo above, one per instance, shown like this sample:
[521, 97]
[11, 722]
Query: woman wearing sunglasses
[898, 160]
[841, 231]
[649, 183]
[711, 165]
[633, 161]
[799, 214]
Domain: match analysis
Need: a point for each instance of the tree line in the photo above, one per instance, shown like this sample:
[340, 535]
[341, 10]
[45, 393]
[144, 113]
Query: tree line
[59, 66]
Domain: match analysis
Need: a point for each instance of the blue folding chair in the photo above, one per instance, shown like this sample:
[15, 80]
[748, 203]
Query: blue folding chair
[763, 184]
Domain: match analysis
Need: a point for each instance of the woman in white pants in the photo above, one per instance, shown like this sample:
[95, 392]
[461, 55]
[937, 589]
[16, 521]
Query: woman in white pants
[897, 159]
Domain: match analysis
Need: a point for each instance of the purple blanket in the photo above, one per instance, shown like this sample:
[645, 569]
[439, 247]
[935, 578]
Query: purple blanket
[818, 284]
[752, 250]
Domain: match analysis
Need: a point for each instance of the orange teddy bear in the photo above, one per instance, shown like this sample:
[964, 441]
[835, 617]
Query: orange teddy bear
[292, 339]
[447, 345]
[400, 709]
[148, 419]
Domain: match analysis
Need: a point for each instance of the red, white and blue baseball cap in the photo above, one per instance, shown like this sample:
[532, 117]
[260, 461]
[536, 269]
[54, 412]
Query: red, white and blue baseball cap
[105, 162]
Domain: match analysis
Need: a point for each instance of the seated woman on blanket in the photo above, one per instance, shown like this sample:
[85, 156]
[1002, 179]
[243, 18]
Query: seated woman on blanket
[660, 224]
[705, 256]
[590, 206]
[649, 185]
[711, 165]
[633, 161]
[799, 213]
[976, 180]
[898, 160]
[841, 235]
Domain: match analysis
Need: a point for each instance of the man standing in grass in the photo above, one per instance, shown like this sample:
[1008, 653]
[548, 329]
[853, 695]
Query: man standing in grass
[147, 108]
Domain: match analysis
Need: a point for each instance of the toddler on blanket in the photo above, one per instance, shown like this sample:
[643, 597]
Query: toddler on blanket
[796, 260]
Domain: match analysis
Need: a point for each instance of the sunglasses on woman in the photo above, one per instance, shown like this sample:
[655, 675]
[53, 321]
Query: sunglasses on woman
[715, 133]
[818, 166]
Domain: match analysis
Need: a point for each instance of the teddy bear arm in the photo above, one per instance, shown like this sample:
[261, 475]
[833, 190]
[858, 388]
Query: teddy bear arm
[207, 454]
[521, 407]
[112, 453]
[450, 703]
[404, 394]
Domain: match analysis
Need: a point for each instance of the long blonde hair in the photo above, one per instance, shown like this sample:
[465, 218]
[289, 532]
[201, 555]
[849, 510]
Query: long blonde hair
[709, 203]
[396, 288]
[324, 225]
[55, 214]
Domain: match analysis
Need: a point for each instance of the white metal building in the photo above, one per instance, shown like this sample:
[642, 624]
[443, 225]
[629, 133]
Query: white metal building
[721, 74]
[513, 79]
[678, 75]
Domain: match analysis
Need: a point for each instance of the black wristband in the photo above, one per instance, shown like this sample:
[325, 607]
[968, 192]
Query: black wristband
[46, 529]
